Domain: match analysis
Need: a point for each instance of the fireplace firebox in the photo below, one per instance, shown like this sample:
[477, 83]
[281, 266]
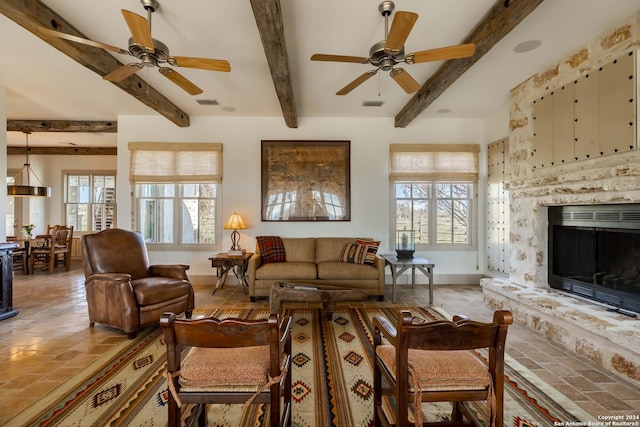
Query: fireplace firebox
[594, 251]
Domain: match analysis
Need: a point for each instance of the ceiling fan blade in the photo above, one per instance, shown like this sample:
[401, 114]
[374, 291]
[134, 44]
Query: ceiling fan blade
[123, 72]
[201, 63]
[339, 58]
[405, 80]
[357, 82]
[450, 52]
[400, 29]
[139, 28]
[77, 39]
[180, 80]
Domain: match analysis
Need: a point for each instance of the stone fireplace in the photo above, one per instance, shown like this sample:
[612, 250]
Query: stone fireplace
[538, 297]
[594, 252]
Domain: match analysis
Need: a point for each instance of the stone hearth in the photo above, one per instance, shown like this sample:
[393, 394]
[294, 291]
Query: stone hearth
[608, 339]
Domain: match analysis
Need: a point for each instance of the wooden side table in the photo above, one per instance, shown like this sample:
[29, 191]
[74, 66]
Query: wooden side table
[399, 266]
[224, 262]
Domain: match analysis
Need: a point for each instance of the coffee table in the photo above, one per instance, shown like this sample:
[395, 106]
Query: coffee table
[282, 292]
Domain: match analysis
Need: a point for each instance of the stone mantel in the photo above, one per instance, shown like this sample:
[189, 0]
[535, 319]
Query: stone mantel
[619, 172]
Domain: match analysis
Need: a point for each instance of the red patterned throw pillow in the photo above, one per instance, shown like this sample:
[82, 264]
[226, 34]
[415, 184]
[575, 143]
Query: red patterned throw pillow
[272, 249]
[361, 252]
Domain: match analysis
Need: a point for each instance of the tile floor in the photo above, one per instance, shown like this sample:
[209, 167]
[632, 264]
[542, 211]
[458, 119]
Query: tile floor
[50, 339]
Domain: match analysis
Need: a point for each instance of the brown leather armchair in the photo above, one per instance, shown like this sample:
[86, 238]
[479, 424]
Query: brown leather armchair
[123, 290]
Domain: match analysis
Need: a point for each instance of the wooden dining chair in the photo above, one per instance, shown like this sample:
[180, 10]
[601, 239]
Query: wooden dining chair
[52, 249]
[19, 256]
[229, 361]
[432, 362]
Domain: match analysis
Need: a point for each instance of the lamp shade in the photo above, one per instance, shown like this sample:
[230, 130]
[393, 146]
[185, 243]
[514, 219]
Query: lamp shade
[235, 222]
[28, 191]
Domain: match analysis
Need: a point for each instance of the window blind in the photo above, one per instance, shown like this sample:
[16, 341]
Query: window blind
[171, 162]
[434, 162]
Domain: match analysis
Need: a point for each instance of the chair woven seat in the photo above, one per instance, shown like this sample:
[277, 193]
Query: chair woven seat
[440, 370]
[214, 369]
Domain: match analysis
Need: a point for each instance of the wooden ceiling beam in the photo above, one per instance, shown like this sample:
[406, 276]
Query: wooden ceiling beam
[503, 17]
[268, 16]
[32, 14]
[66, 151]
[62, 126]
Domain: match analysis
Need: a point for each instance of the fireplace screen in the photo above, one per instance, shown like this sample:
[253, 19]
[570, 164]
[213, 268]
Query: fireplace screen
[597, 261]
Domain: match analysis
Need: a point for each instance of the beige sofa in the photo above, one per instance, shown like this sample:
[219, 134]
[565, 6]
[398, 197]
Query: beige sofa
[315, 260]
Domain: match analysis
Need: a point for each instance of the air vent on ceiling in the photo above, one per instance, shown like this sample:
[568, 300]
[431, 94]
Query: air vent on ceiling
[207, 101]
[372, 103]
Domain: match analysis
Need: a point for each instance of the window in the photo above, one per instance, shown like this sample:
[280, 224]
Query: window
[14, 211]
[176, 189]
[433, 190]
[158, 217]
[90, 201]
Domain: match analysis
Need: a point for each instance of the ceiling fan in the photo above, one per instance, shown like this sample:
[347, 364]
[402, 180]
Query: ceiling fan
[150, 52]
[386, 54]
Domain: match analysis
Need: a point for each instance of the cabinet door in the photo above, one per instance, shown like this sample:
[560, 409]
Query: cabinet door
[542, 153]
[587, 115]
[617, 106]
[563, 125]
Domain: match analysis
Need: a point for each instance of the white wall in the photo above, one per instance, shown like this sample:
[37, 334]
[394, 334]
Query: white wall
[3, 159]
[497, 125]
[370, 139]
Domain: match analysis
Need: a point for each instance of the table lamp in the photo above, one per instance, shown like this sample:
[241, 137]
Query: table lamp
[235, 223]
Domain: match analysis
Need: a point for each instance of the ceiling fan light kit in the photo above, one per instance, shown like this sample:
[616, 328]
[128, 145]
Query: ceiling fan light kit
[149, 51]
[386, 54]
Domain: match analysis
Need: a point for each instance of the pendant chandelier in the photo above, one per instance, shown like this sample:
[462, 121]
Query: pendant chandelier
[15, 189]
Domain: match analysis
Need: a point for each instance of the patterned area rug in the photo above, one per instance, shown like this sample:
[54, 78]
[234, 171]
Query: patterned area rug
[331, 381]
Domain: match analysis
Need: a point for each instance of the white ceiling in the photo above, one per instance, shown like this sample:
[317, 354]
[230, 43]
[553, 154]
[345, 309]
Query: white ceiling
[42, 83]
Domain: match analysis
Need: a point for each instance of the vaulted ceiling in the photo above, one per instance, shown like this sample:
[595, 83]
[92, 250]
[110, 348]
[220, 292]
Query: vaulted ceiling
[269, 44]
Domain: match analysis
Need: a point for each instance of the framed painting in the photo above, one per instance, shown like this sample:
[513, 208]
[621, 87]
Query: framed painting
[306, 181]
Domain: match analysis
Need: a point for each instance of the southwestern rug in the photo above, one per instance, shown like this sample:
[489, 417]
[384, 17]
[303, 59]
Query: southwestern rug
[332, 381]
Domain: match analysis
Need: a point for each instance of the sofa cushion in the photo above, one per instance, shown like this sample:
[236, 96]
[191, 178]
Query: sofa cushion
[272, 249]
[370, 258]
[287, 271]
[300, 249]
[336, 270]
[330, 248]
[375, 243]
[359, 253]
[152, 290]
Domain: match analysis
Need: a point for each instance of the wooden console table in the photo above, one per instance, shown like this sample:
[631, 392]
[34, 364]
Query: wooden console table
[224, 262]
[6, 285]
[400, 265]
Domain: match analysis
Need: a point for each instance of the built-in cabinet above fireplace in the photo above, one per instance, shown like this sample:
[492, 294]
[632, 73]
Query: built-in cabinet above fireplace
[592, 116]
[594, 251]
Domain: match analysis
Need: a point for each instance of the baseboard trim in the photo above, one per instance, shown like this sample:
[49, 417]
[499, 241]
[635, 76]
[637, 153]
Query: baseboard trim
[404, 279]
[438, 279]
